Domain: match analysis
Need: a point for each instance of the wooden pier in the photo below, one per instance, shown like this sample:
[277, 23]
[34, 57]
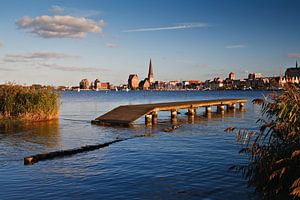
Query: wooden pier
[126, 115]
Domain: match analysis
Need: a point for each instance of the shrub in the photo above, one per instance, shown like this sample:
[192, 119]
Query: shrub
[17, 102]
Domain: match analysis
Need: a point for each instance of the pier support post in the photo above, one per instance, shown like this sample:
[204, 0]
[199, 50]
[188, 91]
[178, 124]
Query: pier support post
[208, 109]
[148, 119]
[242, 105]
[174, 115]
[191, 111]
[231, 106]
[220, 108]
[154, 117]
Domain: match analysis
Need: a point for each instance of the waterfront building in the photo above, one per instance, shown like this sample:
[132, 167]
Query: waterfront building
[97, 84]
[150, 74]
[217, 83]
[84, 84]
[172, 85]
[231, 76]
[292, 74]
[229, 83]
[191, 84]
[133, 82]
[145, 84]
[253, 76]
[104, 86]
[160, 85]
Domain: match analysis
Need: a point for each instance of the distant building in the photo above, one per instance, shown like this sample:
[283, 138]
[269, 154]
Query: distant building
[150, 73]
[97, 84]
[172, 85]
[191, 84]
[84, 84]
[160, 85]
[292, 74]
[145, 84]
[104, 86]
[231, 76]
[133, 82]
[254, 76]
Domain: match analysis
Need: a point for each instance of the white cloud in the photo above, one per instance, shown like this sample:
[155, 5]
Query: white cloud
[1, 44]
[174, 27]
[36, 56]
[71, 69]
[6, 69]
[112, 45]
[60, 26]
[235, 46]
[55, 9]
[294, 55]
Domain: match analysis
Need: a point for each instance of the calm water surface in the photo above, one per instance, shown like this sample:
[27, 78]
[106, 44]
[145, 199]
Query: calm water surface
[190, 163]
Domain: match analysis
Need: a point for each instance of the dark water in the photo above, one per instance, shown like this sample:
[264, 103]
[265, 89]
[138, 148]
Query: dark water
[190, 163]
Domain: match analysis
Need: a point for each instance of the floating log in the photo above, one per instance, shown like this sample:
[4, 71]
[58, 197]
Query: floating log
[30, 160]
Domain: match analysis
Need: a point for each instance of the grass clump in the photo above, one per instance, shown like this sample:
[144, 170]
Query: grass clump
[29, 104]
[274, 150]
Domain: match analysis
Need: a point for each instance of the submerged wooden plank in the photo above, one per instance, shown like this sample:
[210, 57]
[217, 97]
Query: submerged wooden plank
[127, 114]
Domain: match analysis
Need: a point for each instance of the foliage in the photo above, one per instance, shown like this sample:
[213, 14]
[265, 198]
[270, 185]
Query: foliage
[18, 102]
[274, 151]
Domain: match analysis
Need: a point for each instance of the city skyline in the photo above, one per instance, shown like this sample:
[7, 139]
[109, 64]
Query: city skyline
[61, 42]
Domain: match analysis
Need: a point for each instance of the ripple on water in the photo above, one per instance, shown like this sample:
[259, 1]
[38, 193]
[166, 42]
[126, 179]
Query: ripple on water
[190, 163]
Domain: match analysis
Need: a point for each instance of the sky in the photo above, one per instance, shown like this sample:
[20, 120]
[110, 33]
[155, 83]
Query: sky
[61, 42]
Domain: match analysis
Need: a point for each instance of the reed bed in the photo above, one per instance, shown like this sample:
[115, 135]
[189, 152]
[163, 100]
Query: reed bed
[28, 104]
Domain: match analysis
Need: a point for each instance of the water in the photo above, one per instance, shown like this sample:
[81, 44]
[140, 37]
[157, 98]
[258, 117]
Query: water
[190, 163]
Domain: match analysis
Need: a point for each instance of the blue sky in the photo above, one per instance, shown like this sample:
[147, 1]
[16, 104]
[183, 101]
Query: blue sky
[62, 42]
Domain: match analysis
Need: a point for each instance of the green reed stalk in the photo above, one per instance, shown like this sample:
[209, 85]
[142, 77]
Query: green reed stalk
[22, 103]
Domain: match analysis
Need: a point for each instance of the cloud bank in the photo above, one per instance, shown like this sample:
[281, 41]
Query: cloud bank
[56, 9]
[112, 45]
[36, 56]
[45, 60]
[294, 55]
[60, 26]
[6, 69]
[236, 46]
[175, 27]
[71, 69]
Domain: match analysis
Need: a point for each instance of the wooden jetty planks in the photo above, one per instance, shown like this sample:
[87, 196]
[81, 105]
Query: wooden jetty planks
[127, 114]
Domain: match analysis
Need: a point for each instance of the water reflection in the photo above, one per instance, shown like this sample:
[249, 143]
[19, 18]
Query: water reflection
[45, 134]
[190, 162]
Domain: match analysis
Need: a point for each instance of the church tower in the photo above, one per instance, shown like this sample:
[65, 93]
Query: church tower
[150, 73]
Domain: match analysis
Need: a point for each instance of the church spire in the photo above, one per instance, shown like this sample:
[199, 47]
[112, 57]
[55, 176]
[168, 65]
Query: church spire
[296, 64]
[150, 73]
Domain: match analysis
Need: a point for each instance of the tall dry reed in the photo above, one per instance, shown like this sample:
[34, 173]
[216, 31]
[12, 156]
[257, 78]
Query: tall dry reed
[274, 150]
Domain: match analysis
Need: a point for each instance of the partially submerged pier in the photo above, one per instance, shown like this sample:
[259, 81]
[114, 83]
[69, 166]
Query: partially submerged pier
[126, 115]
